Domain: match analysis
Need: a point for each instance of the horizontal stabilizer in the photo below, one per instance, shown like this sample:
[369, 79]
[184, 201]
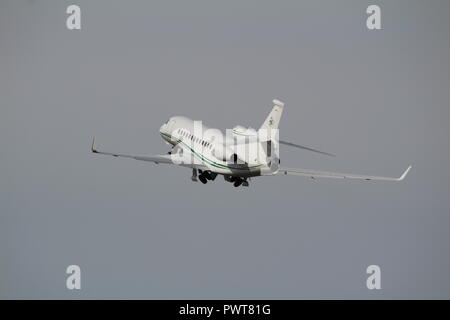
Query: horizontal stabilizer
[290, 144]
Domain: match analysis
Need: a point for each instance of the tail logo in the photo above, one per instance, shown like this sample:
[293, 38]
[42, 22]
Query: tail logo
[270, 121]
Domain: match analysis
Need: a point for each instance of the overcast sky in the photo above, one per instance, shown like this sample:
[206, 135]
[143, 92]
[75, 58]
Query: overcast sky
[378, 99]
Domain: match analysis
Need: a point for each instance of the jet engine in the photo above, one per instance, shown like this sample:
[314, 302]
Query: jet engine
[243, 131]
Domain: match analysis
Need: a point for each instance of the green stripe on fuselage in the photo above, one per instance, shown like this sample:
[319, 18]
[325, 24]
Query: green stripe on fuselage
[209, 161]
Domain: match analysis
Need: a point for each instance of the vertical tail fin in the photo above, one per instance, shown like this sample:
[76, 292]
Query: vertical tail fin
[269, 137]
[273, 119]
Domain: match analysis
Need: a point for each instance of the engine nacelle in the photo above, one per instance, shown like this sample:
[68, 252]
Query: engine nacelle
[223, 153]
[243, 131]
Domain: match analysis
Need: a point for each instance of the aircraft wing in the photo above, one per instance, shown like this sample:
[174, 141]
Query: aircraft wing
[324, 174]
[165, 158]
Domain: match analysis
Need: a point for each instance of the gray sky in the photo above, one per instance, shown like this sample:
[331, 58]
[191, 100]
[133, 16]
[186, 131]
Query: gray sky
[378, 99]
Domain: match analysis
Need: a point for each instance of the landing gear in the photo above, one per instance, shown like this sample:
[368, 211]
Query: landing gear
[203, 176]
[237, 181]
[194, 175]
[203, 179]
[206, 175]
[241, 181]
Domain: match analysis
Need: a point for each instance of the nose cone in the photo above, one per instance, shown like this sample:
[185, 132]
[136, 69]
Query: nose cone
[163, 128]
[164, 131]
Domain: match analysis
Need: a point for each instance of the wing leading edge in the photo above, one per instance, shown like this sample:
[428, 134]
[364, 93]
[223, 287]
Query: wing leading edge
[324, 174]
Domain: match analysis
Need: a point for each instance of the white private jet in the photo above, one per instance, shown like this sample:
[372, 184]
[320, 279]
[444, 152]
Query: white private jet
[242, 154]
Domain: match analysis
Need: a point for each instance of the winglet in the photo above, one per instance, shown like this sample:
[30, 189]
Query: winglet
[93, 150]
[278, 103]
[404, 174]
